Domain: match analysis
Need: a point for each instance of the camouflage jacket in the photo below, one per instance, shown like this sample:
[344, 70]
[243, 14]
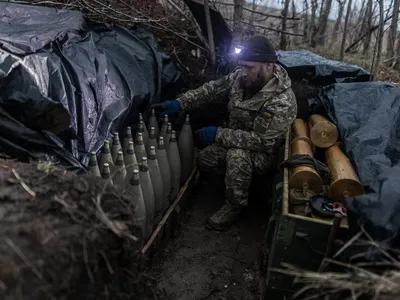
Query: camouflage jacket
[253, 124]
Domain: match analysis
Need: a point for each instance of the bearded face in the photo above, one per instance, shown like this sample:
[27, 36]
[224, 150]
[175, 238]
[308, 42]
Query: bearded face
[255, 75]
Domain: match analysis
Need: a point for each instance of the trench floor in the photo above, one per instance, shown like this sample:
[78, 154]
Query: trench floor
[203, 264]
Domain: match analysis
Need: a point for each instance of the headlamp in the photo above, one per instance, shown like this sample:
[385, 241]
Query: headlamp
[238, 50]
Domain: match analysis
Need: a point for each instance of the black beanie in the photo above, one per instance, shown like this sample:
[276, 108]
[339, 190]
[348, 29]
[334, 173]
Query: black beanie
[258, 48]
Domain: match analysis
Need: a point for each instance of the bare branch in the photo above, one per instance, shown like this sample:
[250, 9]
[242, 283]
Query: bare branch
[257, 12]
[273, 29]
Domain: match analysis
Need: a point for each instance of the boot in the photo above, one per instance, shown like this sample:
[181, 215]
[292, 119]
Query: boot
[224, 217]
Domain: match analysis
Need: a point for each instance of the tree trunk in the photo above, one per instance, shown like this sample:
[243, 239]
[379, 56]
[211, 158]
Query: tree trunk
[237, 23]
[375, 67]
[314, 6]
[210, 32]
[253, 8]
[323, 22]
[370, 31]
[306, 25]
[355, 19]
[338, 22]
[346, 23]
[368, 25]
[396, 62]
[295, 24]
[393, 32]
[283, 43]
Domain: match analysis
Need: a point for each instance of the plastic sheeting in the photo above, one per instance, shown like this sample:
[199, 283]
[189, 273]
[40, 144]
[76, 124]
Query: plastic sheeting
[317, 70]
[380, 208]
[67, 82]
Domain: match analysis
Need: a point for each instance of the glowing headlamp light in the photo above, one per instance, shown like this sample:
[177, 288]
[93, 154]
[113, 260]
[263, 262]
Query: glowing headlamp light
[238, 50]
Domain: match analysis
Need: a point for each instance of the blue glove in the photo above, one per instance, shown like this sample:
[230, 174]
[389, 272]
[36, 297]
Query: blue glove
[207, 135]
[167, 107]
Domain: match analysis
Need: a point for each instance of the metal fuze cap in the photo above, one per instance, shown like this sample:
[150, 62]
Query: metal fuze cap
[258, 48]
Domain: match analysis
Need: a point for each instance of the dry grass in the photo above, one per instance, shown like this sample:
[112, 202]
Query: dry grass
[377, 280]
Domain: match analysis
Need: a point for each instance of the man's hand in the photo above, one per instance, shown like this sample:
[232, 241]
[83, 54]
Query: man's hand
[206, 136]
[169, 107]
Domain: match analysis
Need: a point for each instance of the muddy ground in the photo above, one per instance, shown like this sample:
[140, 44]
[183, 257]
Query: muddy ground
[203, 264]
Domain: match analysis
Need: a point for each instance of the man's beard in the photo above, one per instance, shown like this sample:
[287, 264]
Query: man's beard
[253, 88]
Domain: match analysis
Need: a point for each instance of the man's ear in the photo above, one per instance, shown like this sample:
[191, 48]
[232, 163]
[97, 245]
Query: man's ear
[270, 66]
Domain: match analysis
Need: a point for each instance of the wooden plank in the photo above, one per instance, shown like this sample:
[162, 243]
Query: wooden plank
[285, 209]
[183, 191]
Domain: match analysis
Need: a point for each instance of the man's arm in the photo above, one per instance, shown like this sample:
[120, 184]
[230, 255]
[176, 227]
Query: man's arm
[209, 92]
[270, 124]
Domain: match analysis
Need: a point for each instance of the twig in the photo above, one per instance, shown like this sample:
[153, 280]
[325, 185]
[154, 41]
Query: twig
[11, 244]
[101, 215]
[86, 259]
[179, 61]
[23, 184]
[168, 212]
[269, 28]
[162, 27]
[109, 267]
[348, 244]
[44, 3]
[256, 12]
[197, 28]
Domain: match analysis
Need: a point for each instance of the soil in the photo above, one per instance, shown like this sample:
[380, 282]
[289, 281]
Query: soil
[203, 264]
[66, 236]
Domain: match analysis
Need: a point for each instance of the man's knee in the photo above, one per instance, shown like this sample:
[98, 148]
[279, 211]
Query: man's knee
[238, 158]
[210, 158]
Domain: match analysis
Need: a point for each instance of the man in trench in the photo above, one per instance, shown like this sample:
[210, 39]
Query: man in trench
[261, 106]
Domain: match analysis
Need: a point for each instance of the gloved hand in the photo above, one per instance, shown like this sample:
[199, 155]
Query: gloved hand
[206, 135]
[167, 107]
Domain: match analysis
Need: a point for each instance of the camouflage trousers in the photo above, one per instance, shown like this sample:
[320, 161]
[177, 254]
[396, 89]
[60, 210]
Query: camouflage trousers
[238, 166]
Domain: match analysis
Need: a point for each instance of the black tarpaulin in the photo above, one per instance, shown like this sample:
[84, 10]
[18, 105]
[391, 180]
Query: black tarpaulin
[303, 64]
[379, 210]
[221, 32]
[67, 82]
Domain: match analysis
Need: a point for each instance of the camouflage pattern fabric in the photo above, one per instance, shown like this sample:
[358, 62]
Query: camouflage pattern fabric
[246, 143]
[238, 166]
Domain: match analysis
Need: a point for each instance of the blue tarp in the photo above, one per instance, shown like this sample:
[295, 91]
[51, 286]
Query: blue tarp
[367, 115]
[317, 70]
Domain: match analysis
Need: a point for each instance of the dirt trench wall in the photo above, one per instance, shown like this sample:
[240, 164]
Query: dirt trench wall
[65, 236]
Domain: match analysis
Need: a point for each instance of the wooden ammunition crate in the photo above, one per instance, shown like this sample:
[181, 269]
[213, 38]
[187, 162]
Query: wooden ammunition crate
[293, 239]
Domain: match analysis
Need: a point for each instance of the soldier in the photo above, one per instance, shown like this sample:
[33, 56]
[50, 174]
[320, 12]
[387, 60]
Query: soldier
[261, 107]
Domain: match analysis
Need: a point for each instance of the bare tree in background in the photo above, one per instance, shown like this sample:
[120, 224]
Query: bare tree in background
[336, 27]
[377, 56]
[305, 22]
[396, 62]
[253, 8]
[237, 22]
[285, 11]
[295, 24]
[210, 32]
[313, 26]
[367, 26]
[323, 22]
[393, 33]
[346, 23]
